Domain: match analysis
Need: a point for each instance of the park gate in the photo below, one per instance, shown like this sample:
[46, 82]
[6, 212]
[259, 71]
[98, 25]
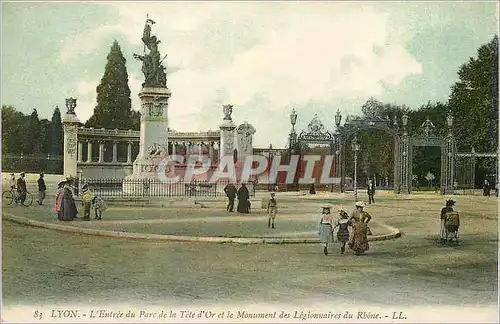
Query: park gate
[403, 147]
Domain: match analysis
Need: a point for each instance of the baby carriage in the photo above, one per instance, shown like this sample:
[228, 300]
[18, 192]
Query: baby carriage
[451, 226]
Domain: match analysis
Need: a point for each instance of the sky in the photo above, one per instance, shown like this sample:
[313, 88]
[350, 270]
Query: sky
[264, 58]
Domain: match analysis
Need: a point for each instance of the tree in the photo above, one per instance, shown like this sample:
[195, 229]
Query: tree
[114, 107]
[55, 134]
[33, 137]
[474, 101]
[44, 138]
[136, 120]
[13, 122]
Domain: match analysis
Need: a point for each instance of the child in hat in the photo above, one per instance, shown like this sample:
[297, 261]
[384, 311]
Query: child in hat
[87, 198]
[272, 209]
[342, 229]
[325, 228]
[99, 206]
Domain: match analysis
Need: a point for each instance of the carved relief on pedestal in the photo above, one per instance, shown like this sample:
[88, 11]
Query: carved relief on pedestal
[71, 139]
[228, 145]
[245, 134]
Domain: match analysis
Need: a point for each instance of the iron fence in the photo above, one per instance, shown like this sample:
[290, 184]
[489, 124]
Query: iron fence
[157, 188]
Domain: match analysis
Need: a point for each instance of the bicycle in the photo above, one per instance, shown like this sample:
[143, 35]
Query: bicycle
[11, 196]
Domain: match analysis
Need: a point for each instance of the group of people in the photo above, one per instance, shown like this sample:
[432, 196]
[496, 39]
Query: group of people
[65, 206]
[21, 188]
[351, 230]
[243, 196]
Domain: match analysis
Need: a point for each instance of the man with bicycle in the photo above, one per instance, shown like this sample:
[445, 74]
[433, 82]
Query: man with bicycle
[21, 189]
[12, 182]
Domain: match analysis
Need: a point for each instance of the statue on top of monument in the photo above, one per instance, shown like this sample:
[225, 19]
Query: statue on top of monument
[152, 67]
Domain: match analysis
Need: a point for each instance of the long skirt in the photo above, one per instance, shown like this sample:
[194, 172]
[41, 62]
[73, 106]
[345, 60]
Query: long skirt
[359, 238]
[243, 206]
[68, 210]
[325, 233]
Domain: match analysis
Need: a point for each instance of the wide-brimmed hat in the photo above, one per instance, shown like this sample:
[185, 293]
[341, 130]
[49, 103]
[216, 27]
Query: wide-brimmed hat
[360, 204]
[327, 206]
[450, 202]
[343, 213]
[273, 193]
[62, 182]
[22, 173]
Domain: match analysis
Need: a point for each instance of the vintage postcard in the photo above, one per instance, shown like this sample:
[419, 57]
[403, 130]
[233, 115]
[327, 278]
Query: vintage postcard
[249, 161]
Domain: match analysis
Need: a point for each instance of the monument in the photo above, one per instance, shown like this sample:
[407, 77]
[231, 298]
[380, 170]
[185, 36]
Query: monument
[154, 95]
[70, 123]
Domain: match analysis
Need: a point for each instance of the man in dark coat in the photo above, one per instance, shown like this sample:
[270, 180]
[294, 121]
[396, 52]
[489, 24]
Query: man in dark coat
[41, 189]
[21, 188]
[243, 199]
[371, 192]
[486, 188]
[230, 191]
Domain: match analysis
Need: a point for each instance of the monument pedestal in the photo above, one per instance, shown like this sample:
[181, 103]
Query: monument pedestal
[153, 145]
[70, 124]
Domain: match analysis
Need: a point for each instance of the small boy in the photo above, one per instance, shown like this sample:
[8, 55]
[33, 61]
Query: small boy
[87, 199]
[272, 209]
[99, 207]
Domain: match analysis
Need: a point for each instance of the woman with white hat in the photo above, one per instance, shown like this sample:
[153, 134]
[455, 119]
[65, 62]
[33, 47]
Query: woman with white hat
[359, 237]
[326, 228]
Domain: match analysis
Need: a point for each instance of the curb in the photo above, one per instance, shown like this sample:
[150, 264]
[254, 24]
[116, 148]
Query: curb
[177, 238]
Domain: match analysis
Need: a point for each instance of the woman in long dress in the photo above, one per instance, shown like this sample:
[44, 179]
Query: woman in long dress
[243, 197]
[359, 238]
[68, 207]
[59, 198]
[448, 208]
[325, 230]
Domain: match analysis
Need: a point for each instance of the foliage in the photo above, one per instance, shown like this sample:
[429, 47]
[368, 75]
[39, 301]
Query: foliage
[40, 141]
[55, 134]
[12, 130]
[114, 106]
[474, 101]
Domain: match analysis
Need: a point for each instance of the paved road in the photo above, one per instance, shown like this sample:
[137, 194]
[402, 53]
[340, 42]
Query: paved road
[43, 266]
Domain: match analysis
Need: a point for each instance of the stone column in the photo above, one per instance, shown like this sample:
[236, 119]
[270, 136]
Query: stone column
[227, 133]
[154, 129]
[129, 152]
[80, 151]
[211, 152]
[115, 151]
[89, 151]
[70, 122]
[173, 148]
[101, 152]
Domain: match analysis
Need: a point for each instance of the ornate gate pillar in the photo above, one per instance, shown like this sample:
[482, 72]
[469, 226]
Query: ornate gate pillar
[70, 122]
[448, 159]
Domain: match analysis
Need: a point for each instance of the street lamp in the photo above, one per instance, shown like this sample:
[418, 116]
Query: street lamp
[405, 120]
[449, 119]
[355, 148]
[270, 164]
[293, 118]
[338, 119]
